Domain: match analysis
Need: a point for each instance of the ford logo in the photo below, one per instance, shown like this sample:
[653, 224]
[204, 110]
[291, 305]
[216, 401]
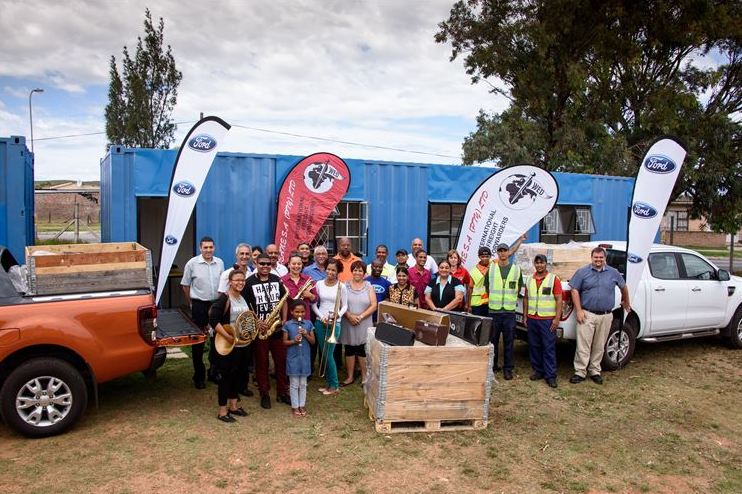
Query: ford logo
[643, 210]
[170, 240]
[657, 163]
[184, 189]
[203, 143]
[633, 258]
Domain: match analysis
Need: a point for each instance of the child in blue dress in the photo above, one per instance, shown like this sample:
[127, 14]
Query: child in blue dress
[298, 357]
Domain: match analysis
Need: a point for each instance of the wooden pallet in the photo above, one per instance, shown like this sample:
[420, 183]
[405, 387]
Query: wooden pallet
[428, 425]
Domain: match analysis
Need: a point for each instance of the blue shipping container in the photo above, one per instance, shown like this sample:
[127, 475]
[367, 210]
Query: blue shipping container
[16, 196]
[238, 200]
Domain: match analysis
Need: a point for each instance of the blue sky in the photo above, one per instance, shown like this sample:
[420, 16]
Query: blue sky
[364, 72]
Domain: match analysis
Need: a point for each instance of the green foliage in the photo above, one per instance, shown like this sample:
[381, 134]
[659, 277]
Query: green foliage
[592, 83]
[141, 97]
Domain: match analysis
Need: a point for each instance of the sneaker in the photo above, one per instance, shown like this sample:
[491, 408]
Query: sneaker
[597, 378]
[576, 379]
[536, 376]
[265, 401]
[551, 382]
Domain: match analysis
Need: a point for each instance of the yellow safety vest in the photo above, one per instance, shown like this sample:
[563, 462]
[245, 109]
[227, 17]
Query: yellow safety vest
[503, 293]
[479, 292]
[540, 303]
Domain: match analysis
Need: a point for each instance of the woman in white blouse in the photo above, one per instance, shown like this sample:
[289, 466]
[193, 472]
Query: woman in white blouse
[328, 291]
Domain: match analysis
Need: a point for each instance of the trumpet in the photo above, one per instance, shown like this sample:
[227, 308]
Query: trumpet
[330, 338]
[304, 288]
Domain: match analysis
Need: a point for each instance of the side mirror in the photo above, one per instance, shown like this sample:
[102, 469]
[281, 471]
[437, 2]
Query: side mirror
[723, 275]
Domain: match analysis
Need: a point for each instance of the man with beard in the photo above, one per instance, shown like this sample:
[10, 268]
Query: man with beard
[262, 292]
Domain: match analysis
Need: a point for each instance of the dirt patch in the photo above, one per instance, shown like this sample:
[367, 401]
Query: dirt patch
[667, 423]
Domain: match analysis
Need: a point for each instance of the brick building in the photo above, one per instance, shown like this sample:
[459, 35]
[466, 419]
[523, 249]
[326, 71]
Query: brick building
[56, 203]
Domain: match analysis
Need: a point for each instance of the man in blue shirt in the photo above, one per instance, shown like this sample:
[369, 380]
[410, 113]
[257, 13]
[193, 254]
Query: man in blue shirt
[593, 295]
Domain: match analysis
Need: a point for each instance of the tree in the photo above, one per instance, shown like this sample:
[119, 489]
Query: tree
[592, 83]
[141, 97]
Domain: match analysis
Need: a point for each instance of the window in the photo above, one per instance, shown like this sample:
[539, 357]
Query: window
[664, 266]
[349, 219]
[677, 220]
[565, 223]
[696, 268]
[443, 228]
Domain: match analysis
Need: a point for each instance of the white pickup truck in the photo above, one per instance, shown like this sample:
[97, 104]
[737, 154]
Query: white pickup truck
[681, 295]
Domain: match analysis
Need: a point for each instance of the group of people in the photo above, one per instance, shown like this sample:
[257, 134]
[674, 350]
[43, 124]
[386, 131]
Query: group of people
[332, 303]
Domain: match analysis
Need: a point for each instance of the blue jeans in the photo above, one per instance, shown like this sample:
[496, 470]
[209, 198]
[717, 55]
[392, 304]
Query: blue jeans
[503, 323]
[331, 372]
[542, 347]
[298, 390]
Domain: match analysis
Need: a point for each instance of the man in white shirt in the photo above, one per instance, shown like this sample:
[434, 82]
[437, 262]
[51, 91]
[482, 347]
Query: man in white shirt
[430, 263]
[276, 267]
[200, 286]
[243, 254]
[388, 272]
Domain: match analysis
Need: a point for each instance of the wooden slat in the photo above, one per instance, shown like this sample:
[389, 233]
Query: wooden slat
[99, 281]
[438, 392]
[85, 248]
[91, 269]
[464, 410]
[432, 374]
[440, 355]
[82, 259]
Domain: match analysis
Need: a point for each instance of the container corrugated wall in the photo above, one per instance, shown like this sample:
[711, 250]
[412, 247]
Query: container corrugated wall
[238, 200]
[16, 196]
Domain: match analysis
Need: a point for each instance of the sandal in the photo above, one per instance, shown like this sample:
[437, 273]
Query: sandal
[296, 412]
[240, 412]
[302, 411]
[331, 392]
[226, 418]
[322, 389]
[344, 384]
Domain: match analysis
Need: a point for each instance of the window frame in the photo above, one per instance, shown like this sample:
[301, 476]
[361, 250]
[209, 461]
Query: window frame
[562, 233]
[674, 256]
[452, 220]
[331, 229]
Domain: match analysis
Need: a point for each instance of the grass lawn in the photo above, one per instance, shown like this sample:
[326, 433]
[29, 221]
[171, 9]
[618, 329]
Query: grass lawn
[668, 423]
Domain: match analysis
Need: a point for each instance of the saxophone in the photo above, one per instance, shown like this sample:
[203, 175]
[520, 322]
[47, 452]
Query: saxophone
[273, 321]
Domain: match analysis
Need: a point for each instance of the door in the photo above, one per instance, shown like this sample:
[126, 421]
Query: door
[707, 296]
[668, 294]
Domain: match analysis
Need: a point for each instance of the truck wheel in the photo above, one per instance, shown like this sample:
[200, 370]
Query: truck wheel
[734, 339]
[43, 397]
[618, 353]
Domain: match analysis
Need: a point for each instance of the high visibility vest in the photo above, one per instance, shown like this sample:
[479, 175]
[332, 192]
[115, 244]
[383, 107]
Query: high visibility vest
[540, 303]
[503, 293]
[479, 292]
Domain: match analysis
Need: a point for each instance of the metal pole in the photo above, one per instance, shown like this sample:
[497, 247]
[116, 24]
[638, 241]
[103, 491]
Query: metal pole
[731, 255]
[77, 222]
[672, 230]
[30, 112]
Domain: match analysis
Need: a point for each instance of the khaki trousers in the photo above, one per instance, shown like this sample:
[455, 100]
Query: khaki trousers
[591, 338]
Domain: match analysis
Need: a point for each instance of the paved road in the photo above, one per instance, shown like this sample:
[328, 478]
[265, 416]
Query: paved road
[85, 236]
[723, 263]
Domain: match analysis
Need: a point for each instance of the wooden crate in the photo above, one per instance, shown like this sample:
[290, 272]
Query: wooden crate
[425, 388]
[80, 268]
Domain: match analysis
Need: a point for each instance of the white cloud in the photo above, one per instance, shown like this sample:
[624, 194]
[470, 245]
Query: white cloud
[350, 70]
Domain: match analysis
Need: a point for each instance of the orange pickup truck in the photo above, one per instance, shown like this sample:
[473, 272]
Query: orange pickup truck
[56, 349]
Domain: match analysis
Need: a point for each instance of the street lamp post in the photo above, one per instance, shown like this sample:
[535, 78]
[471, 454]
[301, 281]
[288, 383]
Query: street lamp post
[30, 112]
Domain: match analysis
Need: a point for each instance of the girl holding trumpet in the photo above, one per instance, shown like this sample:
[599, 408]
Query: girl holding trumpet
[225, 311]
[329, 310]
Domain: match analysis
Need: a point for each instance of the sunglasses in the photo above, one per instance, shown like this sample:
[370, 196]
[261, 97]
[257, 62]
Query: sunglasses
[264, 264]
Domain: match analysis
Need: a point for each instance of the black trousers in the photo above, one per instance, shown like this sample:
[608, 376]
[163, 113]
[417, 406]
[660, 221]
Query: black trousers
[230, 376]
[200, 317]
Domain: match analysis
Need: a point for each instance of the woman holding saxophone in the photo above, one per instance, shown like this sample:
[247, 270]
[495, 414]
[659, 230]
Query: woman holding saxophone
[329, 309]
[225, 311]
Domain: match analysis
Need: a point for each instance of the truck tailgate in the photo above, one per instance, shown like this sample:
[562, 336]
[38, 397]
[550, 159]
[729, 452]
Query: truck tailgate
[175, 328]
